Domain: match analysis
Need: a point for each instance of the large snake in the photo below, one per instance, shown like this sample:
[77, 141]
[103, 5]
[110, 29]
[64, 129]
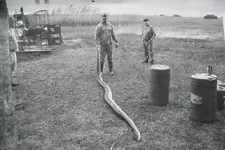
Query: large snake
[111, 102]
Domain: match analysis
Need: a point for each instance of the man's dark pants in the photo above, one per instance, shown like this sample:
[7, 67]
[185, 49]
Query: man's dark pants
[149, 49]
[106, 50]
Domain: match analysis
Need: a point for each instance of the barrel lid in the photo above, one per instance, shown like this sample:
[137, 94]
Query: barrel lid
[159, 67]
[220, 83]
[204, 76]
[220, 88]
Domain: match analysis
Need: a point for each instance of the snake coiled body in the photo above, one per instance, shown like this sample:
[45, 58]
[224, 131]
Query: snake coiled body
[111, 102]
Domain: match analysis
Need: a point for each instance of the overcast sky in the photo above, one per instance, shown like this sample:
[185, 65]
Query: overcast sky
[152, 7]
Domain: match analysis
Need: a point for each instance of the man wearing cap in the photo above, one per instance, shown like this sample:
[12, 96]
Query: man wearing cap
[148, 35]
[13, 47]
[103, 39]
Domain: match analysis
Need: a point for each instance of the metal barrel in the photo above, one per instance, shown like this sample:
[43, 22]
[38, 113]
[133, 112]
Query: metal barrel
[159, 80]
[203, 97]
[220, 97]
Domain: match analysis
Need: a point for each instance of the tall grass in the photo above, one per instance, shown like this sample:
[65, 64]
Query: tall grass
[165, 26]
[74, 16]
[87, 16]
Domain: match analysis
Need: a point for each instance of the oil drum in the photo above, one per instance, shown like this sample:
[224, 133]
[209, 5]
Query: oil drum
[203, 97]
[159, 81]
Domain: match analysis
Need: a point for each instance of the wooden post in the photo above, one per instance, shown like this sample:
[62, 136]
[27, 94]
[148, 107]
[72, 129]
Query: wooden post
[8, 133]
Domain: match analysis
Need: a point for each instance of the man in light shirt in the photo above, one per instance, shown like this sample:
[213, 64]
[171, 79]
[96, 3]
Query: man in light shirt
[13, 47]
[148, 35]
[104, 35]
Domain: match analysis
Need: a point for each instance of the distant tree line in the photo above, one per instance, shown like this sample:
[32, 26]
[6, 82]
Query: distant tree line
[175, 15]
[210, 17]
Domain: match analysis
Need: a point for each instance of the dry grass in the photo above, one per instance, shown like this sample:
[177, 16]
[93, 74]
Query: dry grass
[65, 106]
[166, 21]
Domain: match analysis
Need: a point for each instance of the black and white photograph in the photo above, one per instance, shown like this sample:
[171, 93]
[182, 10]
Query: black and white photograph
[112, 74]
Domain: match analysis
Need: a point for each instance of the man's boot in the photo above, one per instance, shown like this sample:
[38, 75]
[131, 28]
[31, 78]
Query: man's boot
[151, 55]
[102, 66]
[111, 68]
[152, 61]
[146, 60]
[15, 84]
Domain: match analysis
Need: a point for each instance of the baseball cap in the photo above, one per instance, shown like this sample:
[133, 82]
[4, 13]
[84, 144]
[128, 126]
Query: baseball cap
[104, 15]
[146, 19]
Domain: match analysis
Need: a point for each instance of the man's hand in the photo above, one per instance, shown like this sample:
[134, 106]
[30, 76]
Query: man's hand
[97, 47]
[146, 42]
[117, 44]
[150, 40]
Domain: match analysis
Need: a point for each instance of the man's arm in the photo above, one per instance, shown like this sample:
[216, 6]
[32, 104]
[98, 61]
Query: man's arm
[153, 36]
[27, 23]
[113, 35]
[97, 34]
[15, 42]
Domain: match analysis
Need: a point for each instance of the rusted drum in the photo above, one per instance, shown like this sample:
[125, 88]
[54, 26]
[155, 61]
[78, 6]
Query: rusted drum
[159, 81]
[220, 97]
[203, 97]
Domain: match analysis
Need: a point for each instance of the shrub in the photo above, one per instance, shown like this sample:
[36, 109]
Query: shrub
[175, 15]
[210, 17]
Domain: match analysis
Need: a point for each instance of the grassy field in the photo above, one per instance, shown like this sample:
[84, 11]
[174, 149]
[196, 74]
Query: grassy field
[62, 105]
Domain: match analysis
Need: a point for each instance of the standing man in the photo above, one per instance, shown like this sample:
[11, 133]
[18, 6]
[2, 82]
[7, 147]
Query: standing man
[103, 39]
[24, 19]
[148, 35]
[26, 25]
[13, 47]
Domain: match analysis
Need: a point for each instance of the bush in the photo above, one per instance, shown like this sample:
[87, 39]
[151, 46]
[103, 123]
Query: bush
[161, 15]
[210, 17]
[175, 15]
